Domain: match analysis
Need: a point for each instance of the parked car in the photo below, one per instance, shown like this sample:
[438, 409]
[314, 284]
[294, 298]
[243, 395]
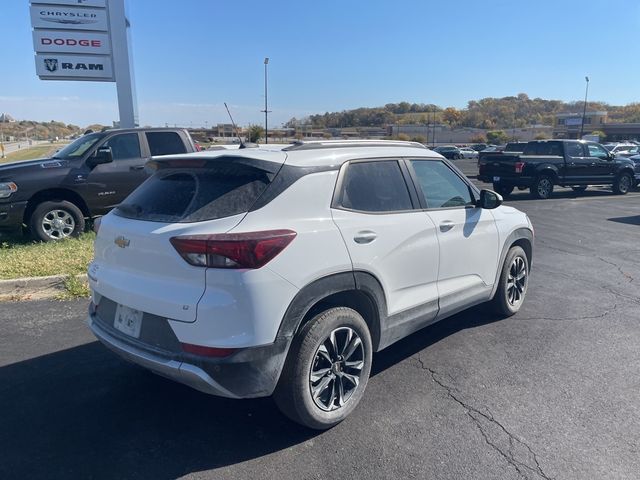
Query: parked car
[636, 167]
[630, 152]
[450, 152]
[619, 148]
[52, 197]
[478, 147]
[252, 272]
[468, 152]
[568, 163]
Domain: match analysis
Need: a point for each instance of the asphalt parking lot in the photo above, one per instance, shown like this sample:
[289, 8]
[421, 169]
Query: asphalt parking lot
[553, 392]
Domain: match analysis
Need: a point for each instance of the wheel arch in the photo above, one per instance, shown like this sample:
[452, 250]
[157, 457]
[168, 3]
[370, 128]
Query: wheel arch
[337, 290]
[548, 171]
[521, 237]
[55, 194]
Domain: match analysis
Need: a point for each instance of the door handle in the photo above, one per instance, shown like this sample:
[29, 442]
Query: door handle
[136, 167]
[446, 226]
[366, 236]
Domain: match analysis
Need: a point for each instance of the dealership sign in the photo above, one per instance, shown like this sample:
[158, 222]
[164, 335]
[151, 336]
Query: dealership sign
[69, 18]
[86, 40]
[54, 66]
[57, 41]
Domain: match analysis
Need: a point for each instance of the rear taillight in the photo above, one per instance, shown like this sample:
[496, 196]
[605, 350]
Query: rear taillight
[233, 250]
[207, 351]
[519, 167]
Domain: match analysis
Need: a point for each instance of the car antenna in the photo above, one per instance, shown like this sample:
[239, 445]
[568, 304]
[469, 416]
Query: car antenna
[235, 127]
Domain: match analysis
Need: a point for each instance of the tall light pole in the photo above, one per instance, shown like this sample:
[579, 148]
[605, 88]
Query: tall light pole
[266, 111]
[584, 109]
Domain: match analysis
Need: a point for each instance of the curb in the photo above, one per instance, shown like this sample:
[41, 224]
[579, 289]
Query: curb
[38, 287]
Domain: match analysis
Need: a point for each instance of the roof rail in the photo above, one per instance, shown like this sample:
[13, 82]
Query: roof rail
[323, 144]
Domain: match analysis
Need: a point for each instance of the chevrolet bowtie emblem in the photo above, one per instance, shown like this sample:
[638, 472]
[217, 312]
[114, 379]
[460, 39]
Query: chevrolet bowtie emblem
[122, 242]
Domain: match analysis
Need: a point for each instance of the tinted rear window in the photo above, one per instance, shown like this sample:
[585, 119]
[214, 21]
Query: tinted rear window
[543, 148]
[165, 143]
[196, 195]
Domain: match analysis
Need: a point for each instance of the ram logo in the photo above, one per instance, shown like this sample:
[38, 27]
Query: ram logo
[51, 64]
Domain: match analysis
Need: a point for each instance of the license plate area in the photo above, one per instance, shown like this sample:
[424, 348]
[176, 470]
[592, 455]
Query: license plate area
[128, 320]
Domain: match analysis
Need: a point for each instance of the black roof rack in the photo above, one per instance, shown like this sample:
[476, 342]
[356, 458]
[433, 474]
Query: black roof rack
[320, 144]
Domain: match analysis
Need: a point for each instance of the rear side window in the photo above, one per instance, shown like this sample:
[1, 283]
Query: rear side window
[573, 149]
[196, 195]
[375, 187]
[165, 143]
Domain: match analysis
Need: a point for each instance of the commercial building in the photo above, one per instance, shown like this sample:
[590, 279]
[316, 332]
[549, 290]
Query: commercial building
[569, 125]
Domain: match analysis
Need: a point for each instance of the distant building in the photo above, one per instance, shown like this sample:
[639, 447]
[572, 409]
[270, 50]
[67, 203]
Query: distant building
[568, 125]
[446, 135]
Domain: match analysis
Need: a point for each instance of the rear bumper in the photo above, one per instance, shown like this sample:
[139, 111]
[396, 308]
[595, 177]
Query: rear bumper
[248, 373]
[12, 214]
[508, 181]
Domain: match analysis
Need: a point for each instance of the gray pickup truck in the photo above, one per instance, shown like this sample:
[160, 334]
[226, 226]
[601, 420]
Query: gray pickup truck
[568, 163]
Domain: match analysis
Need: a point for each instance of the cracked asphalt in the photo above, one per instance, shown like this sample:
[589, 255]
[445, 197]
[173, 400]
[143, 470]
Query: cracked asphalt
[551, 393]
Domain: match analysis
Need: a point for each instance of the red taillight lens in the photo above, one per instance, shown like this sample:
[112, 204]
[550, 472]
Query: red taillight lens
[519, 167]
[233, 250]
[207, 351]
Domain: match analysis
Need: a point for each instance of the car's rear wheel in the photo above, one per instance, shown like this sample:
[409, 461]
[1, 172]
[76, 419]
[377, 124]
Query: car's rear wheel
[542, 187]
[56, 220]
[504, 190]
[327, 369]
[513, 283]
[622, 184]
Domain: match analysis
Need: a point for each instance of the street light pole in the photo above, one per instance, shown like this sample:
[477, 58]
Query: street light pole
[266, 111]
[584, 109]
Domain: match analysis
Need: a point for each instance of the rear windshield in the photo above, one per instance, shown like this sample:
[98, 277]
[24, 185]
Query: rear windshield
[514, 147]
[196, 195]
[543, 148]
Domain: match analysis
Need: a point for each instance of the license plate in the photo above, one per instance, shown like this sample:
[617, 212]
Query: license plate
[128, 320]
[496, 179]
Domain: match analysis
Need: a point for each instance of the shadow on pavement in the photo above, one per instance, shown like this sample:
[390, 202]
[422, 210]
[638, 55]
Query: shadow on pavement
[631, 220]
[519, 195]
[84, 413]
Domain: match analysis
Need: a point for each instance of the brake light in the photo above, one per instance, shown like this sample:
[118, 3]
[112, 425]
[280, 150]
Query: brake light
[207, 351]
[233, 250]
[519, 167]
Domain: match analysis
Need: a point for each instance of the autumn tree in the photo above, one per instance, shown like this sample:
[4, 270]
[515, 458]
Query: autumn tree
[451, 116]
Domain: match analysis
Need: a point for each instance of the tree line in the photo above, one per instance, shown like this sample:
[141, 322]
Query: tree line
[487, 113]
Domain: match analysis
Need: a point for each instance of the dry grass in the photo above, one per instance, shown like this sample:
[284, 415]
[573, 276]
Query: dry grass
[21, 257]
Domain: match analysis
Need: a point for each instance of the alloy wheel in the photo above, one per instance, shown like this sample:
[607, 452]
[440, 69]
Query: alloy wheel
[58, 224]
[336, 369]
[516, 281]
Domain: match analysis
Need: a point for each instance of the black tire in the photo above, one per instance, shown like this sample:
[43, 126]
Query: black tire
[501, 302]
[293, 394]
[542, 187]
[504, 190]
[55, 220]
[579, 189]
[622, 184]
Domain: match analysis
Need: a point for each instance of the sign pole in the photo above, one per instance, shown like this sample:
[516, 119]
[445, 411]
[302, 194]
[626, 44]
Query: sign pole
[122, 64]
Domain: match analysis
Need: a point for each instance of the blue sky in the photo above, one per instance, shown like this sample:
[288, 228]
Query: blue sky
[190, 56]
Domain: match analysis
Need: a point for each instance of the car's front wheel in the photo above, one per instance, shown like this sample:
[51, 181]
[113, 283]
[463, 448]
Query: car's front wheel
[327, 369]
[55, 220]
[542, 187]
[513, 283]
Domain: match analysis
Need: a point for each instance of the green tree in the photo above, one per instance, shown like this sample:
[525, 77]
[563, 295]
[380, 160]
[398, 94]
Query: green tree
[497, 137]
[478, 139]
[601, 135]
[255, 133]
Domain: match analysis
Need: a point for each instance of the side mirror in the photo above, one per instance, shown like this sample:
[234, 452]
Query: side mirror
[611, 156]
[102, 155]
[489, 200]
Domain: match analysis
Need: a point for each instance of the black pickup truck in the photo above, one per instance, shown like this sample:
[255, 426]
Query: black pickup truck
[567, 163]
[52, 197]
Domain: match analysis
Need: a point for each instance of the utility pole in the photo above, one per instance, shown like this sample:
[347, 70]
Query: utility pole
[584, 110]
[266, 111]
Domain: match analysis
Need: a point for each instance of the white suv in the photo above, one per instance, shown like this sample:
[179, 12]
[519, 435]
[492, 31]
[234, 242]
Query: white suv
[259, 271]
